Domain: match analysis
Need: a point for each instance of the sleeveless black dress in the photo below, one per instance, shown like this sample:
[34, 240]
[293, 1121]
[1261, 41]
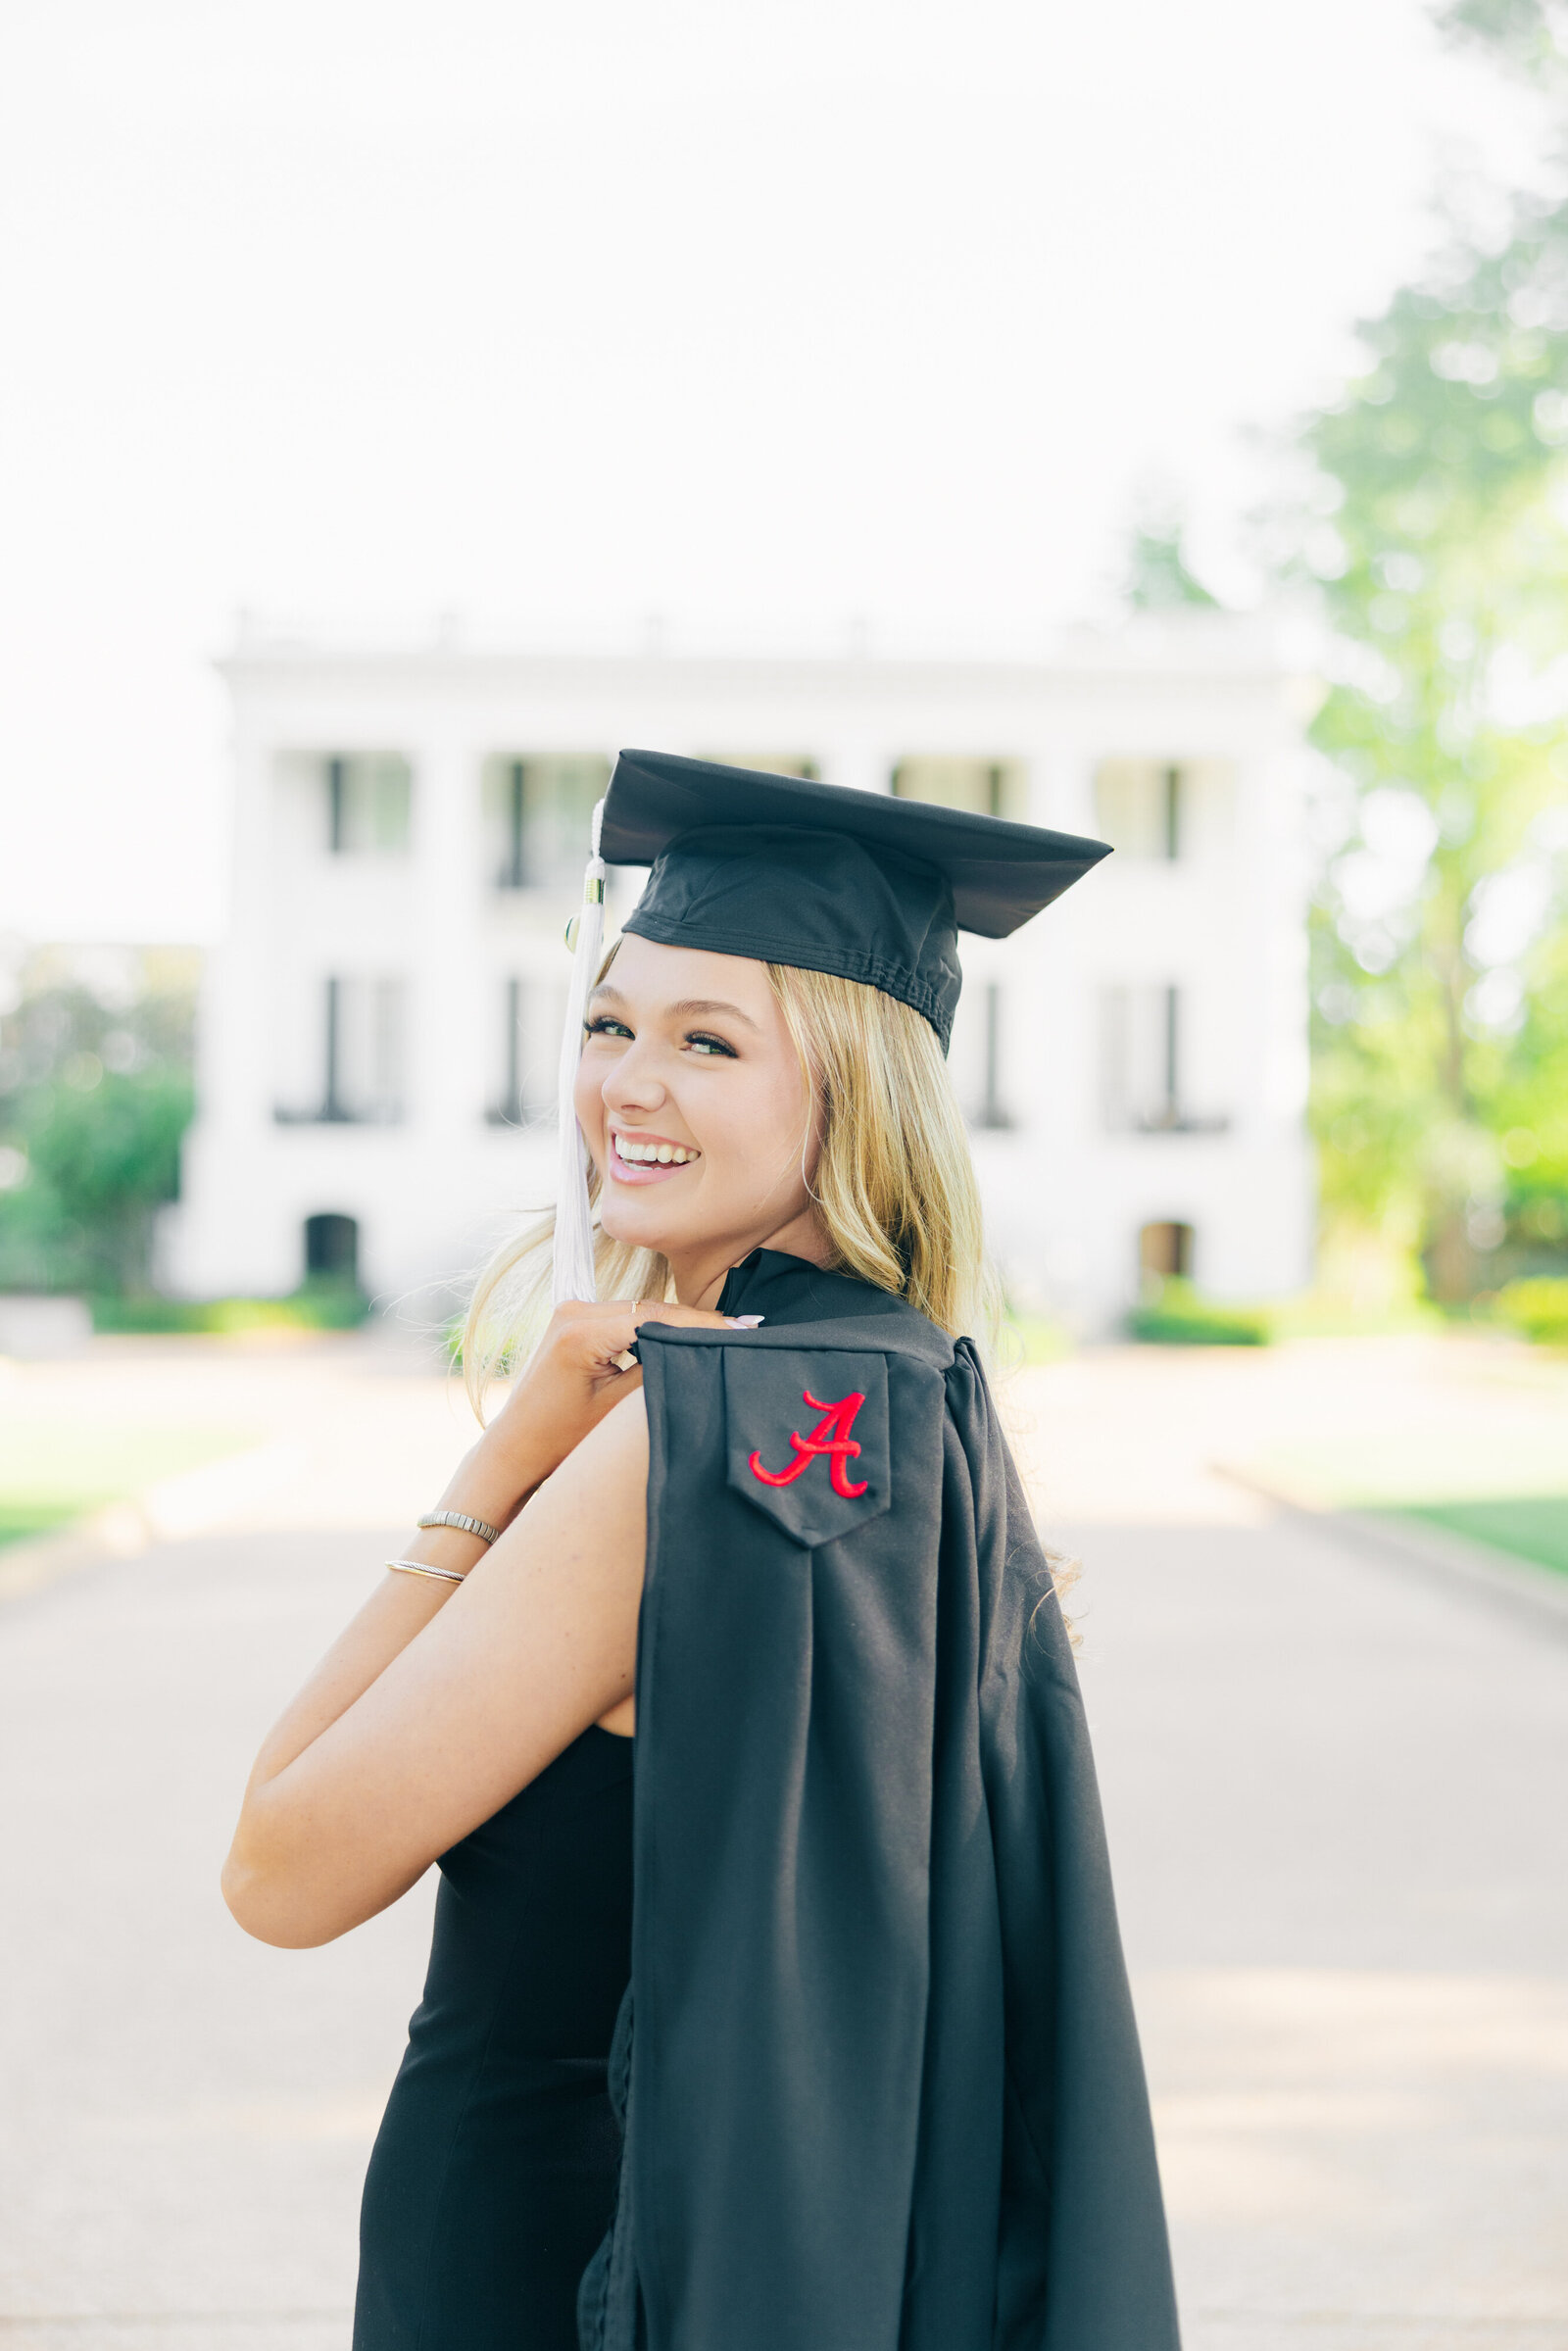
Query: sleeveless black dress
[493, 2174]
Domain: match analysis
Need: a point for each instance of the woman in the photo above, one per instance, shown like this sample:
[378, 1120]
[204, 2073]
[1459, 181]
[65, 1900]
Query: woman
[883, 2085]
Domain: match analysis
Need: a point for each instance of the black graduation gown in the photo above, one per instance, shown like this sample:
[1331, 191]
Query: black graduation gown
[878, 2068]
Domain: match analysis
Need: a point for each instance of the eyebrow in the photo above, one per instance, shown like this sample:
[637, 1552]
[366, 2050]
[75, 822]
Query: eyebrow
[688, 1008]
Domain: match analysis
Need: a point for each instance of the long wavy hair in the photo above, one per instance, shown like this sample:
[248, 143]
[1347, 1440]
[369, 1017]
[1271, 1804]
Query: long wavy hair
[894, 1184]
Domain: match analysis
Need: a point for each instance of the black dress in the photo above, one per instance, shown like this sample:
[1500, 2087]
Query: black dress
[493, 2174]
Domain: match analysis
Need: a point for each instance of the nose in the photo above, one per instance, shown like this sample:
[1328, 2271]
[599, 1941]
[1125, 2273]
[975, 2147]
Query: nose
[633, 1083]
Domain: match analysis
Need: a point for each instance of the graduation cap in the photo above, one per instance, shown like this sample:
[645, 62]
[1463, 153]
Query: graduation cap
[816, 876]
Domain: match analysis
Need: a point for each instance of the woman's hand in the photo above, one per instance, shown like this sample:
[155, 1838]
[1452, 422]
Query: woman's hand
[578, 1374]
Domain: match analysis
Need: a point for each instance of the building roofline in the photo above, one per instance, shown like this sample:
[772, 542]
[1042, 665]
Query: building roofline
[1267, 648]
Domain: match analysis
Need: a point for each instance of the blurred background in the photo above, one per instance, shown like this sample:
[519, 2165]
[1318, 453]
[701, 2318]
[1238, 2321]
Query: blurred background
[1150, 424]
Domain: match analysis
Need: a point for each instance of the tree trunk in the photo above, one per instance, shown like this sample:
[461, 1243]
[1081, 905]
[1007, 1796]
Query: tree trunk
[1450, 1261]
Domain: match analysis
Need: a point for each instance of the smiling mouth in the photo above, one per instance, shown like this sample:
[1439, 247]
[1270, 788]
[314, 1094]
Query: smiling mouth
[636, 1158]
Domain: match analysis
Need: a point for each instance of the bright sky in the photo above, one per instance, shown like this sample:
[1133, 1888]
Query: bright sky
[767, 320]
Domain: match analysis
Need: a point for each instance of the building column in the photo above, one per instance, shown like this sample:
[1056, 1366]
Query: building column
[448, 1021]
[227, 1233]
[1061, 789]
[865, 766]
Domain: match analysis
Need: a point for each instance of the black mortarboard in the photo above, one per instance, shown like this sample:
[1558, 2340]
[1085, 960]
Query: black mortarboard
[826, 878]
[816, 876]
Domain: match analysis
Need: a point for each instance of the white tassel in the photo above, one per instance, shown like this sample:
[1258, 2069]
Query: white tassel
[572, 1273]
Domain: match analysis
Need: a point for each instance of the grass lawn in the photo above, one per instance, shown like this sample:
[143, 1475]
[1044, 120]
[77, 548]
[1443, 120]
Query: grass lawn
[19, 1518]
[1532, 1526]
[52, 1472]
[1503, 1487]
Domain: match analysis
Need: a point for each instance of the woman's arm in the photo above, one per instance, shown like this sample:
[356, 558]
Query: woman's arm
[478, 1686]
[577, 1375]
[492, 1483]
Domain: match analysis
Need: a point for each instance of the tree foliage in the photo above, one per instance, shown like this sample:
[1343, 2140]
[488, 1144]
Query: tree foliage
[1435, 516]
[1159, 579]
[94, 1098]
[1531, 35]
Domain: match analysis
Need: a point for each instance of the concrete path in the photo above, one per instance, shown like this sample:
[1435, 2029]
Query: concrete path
[1337, 1802]
[1336, 1806]
[184, 2113]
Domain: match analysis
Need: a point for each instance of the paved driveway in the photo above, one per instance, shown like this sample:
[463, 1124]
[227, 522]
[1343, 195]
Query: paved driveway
[1336, 1795]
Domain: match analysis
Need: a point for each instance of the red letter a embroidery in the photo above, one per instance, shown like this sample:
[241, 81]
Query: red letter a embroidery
[831, 1436]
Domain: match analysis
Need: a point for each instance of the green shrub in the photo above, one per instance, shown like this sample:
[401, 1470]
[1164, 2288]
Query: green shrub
[317, 1306]
[1537, 1308]
[98, 1165]
[1175, 1314]
[1031, 1339]
[325, 1305]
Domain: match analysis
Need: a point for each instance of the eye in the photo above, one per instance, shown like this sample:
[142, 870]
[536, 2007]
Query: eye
[710, 1047]
[603, 1026]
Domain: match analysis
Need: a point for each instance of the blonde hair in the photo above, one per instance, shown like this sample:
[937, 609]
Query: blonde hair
[894, 1187]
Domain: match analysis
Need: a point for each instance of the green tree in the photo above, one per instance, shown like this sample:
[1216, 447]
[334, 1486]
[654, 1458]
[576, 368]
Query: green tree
[1435, 516]
[1158, 578]
[1531, 35]
[103, 1161]
[94, 1098]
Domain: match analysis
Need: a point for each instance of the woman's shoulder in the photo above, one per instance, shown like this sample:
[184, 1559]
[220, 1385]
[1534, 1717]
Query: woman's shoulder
[813, 1306]
[612, 1459]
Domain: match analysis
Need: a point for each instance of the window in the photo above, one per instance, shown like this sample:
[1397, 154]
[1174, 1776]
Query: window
[975, 1057]
[1143, 1052]
[351, 1071]
[1138, 807]
[364, 1049]
[1150, 1075]
[772, 762]
[1163, 811]
[979, 787]
[538, 813]
[1139, 1055]
[367, 805]
[527, 1052]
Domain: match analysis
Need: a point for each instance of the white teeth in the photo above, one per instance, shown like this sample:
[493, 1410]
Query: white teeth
[662, 1154]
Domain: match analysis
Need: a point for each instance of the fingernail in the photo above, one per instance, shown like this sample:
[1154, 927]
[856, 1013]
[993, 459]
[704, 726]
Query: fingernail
[742, 1322]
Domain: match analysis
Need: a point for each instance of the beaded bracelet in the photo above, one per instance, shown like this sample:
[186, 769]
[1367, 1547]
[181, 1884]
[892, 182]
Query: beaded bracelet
[464, 1525]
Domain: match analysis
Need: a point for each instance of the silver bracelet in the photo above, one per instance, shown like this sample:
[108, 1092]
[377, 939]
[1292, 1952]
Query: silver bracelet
[464, 1525]
[417, 1567]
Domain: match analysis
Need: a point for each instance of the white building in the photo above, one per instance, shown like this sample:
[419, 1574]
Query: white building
[379, 1031]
